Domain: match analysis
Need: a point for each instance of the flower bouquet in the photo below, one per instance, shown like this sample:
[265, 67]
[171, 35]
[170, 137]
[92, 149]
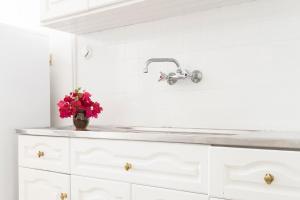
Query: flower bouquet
[79, 106]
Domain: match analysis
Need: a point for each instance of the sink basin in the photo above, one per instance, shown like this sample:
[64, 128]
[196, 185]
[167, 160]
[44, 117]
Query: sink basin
[185, 130]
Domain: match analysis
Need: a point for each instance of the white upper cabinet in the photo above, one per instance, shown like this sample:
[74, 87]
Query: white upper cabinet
[51, 9]
[86, 16]
[103, 3]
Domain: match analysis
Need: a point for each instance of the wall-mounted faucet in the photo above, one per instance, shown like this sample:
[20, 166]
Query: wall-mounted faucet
[152, 60]
[172, 78]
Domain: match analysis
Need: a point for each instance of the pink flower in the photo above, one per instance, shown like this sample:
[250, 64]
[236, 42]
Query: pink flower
[96, 109]
[68, 99]
[78, 101]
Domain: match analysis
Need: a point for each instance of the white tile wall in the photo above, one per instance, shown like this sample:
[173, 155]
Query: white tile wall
[248, 54]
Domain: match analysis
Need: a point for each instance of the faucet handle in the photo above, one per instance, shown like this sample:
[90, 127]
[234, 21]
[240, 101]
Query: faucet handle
[196, 76]
[187, 73]
[172, 78]
[162, 77]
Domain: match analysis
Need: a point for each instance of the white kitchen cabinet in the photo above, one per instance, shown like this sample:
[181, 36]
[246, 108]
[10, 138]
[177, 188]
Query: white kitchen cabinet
[86, 16]
[47, 153]
[42, 185]
[150, 193]
[168, 165]
[140, 170]
[52, 9]
[247, 174]
[90, 189]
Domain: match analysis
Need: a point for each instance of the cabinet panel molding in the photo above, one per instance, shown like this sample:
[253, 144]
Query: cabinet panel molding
[104, 3]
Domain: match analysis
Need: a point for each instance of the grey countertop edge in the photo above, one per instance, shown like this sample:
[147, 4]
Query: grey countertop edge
[264, 140]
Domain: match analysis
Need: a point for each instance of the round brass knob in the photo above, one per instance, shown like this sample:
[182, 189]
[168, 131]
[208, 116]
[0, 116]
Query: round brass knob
[128, 166]
[63, 196]
[269, 178]
[40, 154]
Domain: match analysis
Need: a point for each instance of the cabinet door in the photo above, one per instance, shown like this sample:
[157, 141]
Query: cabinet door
[91, 189]
[103, 3]
[150, 193]
[51, 9]
[43, 185]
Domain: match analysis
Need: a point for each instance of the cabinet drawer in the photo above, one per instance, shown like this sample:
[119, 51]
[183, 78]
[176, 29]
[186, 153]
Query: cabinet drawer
[42, 185]
[149, 193]
[246, 174]
[91, 189]
[47, 153]
[170, 165]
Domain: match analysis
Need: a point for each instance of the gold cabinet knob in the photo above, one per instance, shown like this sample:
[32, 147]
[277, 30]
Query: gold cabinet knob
[40, 154]
[128, 166]
[63, 196]
[269, 178]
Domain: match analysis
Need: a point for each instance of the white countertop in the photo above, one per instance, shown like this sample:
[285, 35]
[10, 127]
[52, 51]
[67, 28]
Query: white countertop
[216, 137]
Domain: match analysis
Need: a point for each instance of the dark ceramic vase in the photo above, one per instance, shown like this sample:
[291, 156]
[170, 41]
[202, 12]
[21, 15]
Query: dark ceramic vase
[80, 121]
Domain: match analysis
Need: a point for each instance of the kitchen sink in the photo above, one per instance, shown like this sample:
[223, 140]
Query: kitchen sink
[184, 130]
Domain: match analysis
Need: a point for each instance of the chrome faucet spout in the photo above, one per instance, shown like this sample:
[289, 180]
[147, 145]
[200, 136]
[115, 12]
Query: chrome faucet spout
[171, 78]
[152, 60]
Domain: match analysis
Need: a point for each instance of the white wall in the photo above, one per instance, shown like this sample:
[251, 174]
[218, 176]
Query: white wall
[23, 64]
[25, 14]
[248, 54]
[28, 44]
